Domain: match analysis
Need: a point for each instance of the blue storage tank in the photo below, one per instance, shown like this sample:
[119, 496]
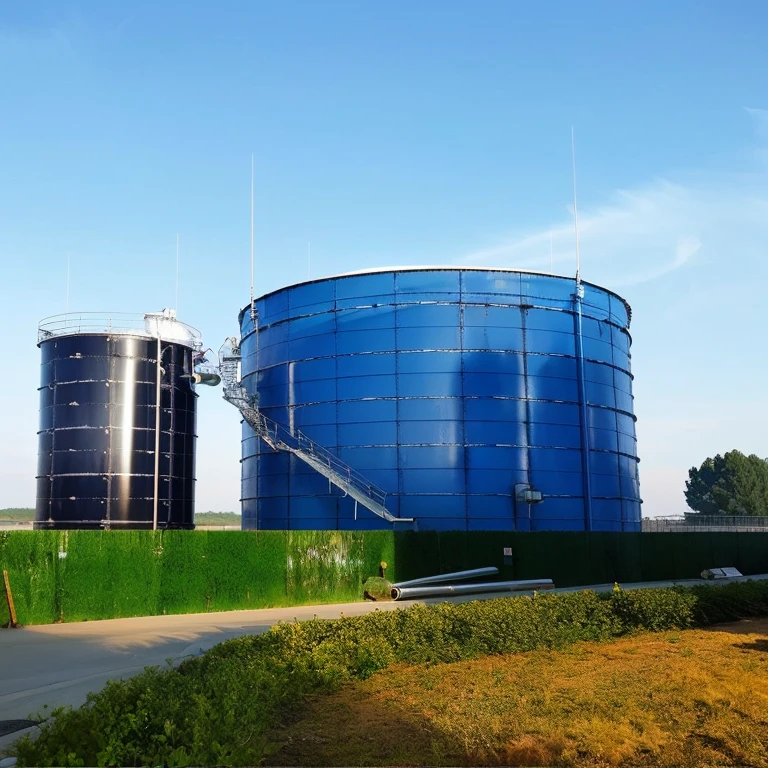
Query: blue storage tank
[462, 392]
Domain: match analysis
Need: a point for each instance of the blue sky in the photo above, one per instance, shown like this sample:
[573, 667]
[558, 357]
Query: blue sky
[429, 132]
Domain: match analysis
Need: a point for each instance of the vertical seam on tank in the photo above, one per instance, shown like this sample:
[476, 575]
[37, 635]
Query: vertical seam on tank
[193, 447]
[616, 420]
[253, 458]
[111, 428]
[172, 379]
[242, 439]
[290, 457]
[398, 439]
[465, 449]
[584, 408]
[526, 393]
[256, 440]
[53, 436]
[337, 440]
[253, 437]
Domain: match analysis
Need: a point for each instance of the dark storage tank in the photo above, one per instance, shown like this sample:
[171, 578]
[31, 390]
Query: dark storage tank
[477, 399]
[111, 454]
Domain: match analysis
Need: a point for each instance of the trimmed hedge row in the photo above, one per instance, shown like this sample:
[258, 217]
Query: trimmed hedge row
[215, 709]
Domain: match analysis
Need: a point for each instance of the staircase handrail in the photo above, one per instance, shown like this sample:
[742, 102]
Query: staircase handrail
[280, 437]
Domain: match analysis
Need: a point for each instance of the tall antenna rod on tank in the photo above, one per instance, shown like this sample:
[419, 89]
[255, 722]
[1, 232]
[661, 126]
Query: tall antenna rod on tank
[551, 252]
[578, 298]
[253, 306]
[575, 209]
[176, 305]
[67, 284]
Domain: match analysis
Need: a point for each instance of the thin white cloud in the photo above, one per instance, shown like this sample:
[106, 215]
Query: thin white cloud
[123, 24]
[639, 235]
[58, 36]
[642, 234]
[48, 42]
[687, 247]
[646, 233]
[760, 117]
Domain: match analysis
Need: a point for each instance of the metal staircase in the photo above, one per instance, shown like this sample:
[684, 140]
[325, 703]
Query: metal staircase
[279, 438]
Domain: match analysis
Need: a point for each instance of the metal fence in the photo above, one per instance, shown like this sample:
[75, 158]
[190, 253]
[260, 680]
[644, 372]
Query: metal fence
[707, 523]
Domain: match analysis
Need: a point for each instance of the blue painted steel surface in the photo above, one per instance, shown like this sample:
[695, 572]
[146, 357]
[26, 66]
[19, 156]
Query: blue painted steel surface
[447, 387]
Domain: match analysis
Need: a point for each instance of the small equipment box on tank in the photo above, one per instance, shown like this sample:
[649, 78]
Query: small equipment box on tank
[117, 421]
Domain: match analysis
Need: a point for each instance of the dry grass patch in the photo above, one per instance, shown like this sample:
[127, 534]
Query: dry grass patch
[690, 698]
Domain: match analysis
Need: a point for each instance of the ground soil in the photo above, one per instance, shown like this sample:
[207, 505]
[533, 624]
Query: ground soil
[689, 698]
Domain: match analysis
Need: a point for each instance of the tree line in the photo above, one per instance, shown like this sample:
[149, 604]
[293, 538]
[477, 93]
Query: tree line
[731, 484]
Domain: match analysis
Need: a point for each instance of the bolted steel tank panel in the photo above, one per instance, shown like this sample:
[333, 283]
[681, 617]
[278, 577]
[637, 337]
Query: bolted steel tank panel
[463, 393]
[97, 440]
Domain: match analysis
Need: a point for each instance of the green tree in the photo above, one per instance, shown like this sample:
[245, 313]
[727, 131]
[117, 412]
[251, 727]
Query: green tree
[731, 484]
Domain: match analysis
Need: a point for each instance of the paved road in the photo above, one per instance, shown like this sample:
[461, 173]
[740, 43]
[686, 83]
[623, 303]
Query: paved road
[60, 664]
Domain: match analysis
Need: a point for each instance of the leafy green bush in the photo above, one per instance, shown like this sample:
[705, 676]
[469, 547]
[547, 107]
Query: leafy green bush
[655, 609]
[728, 603]
[215, 709]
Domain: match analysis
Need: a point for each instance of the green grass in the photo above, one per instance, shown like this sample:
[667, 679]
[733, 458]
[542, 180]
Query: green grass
[218, 518]
[14, 515]
[684, 698]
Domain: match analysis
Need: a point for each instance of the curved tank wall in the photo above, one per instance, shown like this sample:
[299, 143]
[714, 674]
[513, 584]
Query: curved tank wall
[454, 390]
[96, 452]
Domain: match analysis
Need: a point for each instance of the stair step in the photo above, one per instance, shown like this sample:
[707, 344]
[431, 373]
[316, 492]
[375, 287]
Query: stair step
[316, 456]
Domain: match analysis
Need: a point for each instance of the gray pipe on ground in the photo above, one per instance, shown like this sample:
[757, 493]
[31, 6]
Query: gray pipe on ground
[408, 593]
[475, 573]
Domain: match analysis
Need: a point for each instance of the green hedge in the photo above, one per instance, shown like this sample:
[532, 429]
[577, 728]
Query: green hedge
[215, 709]
[116, 574]
[33, 569]
[113, 574]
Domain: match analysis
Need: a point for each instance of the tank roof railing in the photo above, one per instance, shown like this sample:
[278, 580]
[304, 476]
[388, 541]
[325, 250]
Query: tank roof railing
[146, 325]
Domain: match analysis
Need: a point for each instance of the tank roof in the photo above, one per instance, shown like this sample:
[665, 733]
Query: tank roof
[148, 325]
[444, 268]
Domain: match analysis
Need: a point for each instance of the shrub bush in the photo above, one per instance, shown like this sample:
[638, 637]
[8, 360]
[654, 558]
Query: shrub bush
[215, 709]
[729, 602]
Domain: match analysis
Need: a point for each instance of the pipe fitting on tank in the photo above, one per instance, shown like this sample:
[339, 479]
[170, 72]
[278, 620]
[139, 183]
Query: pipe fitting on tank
[208, 379]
